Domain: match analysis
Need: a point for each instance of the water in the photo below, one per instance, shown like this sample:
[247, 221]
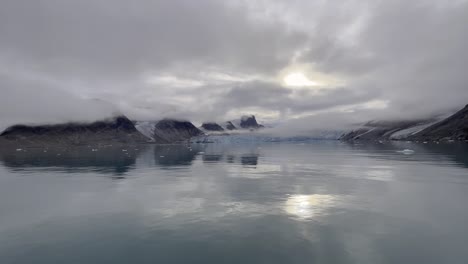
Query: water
[313, 202]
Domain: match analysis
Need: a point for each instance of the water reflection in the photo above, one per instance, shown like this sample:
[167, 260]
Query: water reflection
[175, 155]
[230, 158]
[212, 158]
[306, 207]
[458, 152]
[281, 203]
[431, 152]
[109, 160]
[249, 159]
[119, 161]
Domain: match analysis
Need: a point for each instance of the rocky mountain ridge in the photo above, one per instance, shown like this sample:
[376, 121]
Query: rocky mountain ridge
[116, 130]
[120, 130]
[210, 126]
[168, 130]
[452, 128]
[246, 122]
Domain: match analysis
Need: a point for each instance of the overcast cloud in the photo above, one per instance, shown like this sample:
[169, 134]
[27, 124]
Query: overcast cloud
[204, 60]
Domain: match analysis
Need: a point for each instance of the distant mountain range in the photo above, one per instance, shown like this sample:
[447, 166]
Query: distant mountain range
[168, 130]
[114, 131]
[452, 128]
[245, 122]
[120, 130]
[117, 130]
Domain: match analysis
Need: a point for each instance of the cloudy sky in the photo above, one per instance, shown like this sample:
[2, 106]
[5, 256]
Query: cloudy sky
[211, 60]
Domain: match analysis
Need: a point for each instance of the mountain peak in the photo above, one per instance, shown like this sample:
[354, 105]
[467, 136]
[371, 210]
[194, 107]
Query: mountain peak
[249, 122]
[211, 126]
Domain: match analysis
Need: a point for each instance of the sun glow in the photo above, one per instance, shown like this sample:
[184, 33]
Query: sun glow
[298, 79]
[309, 206]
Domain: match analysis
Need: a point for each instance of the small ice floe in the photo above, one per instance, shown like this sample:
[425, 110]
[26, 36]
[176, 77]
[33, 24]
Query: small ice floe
[161, 156]
[124, 150]
[380, 141]
[406, 151]
[45, 151]
[425, 142]
[201, 152]
[59, 154]
[19, 149]
[94, 150]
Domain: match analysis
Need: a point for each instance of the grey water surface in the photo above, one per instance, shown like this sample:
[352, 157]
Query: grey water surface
[310, 202]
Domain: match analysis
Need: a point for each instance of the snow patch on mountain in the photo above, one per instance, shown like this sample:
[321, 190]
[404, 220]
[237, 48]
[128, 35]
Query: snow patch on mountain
[146, 128]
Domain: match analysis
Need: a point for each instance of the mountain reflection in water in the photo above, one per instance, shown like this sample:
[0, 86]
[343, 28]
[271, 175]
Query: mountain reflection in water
[310, 202]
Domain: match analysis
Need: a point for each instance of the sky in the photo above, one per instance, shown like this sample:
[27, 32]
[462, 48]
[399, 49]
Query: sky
[307, 62]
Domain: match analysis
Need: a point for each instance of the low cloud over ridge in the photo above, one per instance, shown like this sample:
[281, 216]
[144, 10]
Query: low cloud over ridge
[214, 60]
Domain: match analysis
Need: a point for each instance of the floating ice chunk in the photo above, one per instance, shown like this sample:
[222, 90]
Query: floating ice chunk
[19, 149]
[406, 151]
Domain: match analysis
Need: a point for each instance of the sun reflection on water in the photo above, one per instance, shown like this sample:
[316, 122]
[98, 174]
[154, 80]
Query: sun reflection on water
[309, 206]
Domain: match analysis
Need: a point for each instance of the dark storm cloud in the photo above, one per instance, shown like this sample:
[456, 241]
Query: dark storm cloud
[270, 96]
[28, 101]
[104, 49]
[413, 51]
[210, 59]
[114, 38]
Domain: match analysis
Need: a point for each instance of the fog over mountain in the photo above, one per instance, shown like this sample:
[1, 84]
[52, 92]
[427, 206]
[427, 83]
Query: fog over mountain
[304, 63]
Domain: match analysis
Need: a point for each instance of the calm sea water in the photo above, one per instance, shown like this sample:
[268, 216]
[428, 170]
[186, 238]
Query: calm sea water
[315, 202]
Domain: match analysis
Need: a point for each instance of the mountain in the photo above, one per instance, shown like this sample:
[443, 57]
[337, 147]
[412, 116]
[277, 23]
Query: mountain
[168, 130]
[230, 126]
[114, 131]
[384, 130]
[212, 127]
[249, 122]
[117, 130]
[454, 127]
[245, 122]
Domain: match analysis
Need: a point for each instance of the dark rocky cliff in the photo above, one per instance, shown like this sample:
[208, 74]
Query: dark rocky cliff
[380, 130]
[118, 130]
[249, 122]
[230, 126]
[212, 127]
[170, 131]
[454, 127]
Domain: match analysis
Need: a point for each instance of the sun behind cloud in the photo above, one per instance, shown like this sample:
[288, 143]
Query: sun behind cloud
[298, 79]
